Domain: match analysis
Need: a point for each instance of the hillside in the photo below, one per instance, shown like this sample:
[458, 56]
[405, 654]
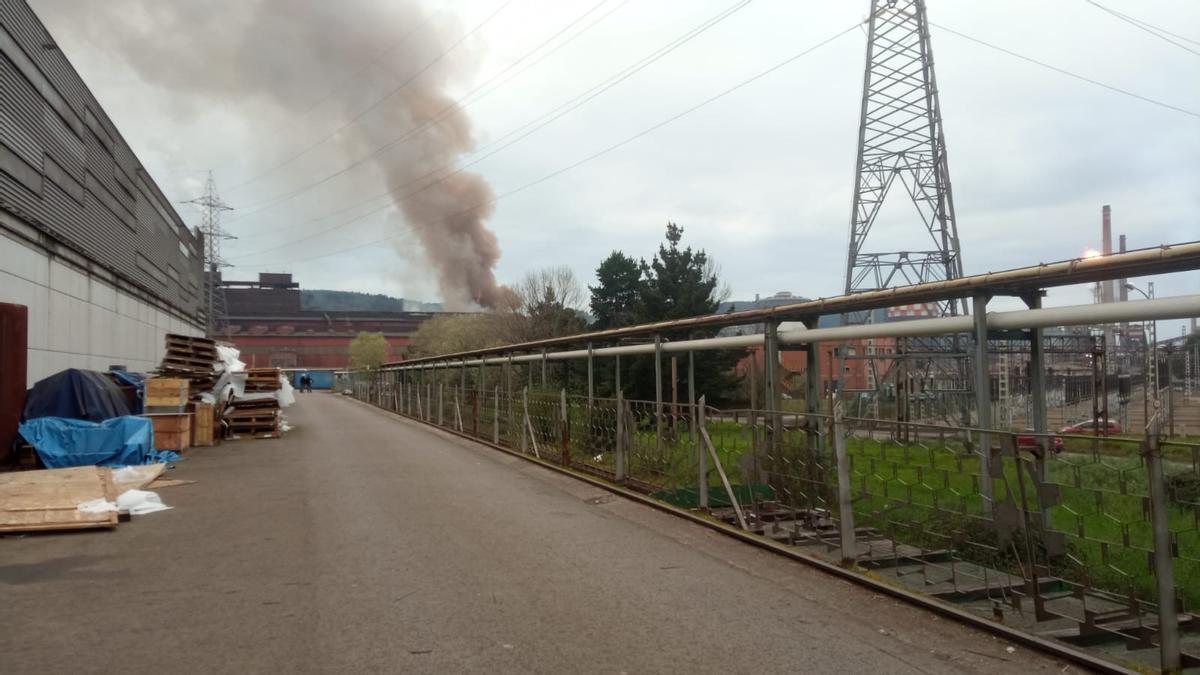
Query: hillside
[354, 301]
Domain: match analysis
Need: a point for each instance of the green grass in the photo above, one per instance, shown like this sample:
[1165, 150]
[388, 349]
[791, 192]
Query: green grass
[930, 497]
[926, 495]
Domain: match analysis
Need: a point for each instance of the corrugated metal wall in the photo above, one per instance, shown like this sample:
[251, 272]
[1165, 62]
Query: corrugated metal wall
[65, 169]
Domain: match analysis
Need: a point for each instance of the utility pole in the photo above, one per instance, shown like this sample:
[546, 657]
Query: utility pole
[902, 148]
[900, 140]
[210, 226]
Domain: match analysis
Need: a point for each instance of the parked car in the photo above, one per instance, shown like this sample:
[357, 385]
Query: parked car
[1089, 426]
[1028, 440]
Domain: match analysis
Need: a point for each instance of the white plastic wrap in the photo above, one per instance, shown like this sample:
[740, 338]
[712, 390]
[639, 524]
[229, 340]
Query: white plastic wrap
[286, 394]
[138, 502]
[229, 359]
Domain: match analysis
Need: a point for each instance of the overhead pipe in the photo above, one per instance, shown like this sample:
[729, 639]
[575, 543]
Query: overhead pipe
[1157, 260]
[1180, 307]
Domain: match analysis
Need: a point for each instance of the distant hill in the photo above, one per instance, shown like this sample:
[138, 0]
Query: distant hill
[353, 301]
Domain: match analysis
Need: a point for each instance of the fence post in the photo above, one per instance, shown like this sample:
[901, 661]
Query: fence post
[1164, 567]
[566, 428]
[693, 418]
[702, 485]
[983, 401]
[845, 505]
[441, 398]
[591, 389]
[525, 419]
[619, 469]
[496, 417]
[543, 368]
[658, 397]
[508, 398]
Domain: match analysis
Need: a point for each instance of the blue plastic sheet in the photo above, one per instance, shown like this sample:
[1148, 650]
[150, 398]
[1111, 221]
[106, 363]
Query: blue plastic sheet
[120, 441]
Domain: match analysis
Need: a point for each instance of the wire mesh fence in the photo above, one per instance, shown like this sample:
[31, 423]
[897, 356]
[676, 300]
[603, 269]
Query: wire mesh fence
[1062, 535]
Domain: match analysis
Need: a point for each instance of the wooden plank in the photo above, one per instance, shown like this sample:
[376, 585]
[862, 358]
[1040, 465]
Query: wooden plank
[137, 477]
[169, 482]
[49, 499]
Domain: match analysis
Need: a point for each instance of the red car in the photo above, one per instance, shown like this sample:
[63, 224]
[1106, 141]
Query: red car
[1089, 426]
[1028, 440]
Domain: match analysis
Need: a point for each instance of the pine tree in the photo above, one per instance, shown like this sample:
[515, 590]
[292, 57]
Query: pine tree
[615, 299]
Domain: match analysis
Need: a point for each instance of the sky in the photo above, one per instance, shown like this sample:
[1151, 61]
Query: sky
[761, 178]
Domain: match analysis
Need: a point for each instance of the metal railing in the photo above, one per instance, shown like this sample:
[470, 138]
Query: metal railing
[1090, 540]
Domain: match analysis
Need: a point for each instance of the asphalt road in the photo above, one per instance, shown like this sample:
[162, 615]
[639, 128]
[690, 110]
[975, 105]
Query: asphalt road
[364, 543]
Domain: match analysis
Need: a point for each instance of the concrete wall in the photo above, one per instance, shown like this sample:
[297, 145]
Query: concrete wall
[79, 316]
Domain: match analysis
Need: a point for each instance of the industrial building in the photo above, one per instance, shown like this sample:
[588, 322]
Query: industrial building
[272, 326]
[89, 245]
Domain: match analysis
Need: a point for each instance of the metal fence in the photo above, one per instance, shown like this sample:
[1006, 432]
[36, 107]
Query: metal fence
[1092, 540]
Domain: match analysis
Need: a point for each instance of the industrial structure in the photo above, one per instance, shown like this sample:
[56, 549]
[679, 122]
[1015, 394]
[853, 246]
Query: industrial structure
[269, 322]
[89, 244]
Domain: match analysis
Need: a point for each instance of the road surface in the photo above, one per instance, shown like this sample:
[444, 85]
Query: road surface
[361, 542]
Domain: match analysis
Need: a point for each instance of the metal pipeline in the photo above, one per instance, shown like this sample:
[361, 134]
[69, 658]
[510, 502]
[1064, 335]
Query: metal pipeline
[1180, 307]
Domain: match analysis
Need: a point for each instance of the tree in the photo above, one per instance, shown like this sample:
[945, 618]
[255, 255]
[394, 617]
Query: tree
[678, 283]
[451, 333]
[549, 301]
[615, 298]
[368, 350]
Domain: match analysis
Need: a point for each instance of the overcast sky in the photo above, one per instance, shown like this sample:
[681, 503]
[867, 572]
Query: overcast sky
[762, 178]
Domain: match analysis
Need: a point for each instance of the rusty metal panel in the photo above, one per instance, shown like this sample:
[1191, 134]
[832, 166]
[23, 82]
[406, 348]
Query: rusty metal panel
[14, 331]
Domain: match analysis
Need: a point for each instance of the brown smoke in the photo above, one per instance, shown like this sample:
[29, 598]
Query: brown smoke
[278, 56]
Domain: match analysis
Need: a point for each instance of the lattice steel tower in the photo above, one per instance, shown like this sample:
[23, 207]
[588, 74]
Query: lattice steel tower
[210, 226]
[900, 138]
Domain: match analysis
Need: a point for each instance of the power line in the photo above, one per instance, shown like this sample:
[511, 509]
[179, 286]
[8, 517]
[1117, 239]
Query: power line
[1160, 33]
[378, 102]
[532, 127]
[1068, 73]
[595, 155]
[446, 111]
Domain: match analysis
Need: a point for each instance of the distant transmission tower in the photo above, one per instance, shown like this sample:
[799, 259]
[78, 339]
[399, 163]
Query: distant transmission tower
[210, 226]
[900, 138]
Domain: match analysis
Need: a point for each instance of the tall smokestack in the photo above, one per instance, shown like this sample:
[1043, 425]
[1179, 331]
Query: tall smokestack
[1106, 287]
[1122, 292]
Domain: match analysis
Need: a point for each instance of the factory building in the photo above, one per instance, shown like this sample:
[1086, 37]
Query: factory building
[90, 247]
[271, 323]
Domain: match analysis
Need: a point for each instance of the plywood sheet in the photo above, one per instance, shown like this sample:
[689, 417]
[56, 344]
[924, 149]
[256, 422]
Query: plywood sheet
[49, 499]
[137, 477]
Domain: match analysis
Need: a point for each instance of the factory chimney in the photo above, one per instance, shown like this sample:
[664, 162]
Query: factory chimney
[1106, 287]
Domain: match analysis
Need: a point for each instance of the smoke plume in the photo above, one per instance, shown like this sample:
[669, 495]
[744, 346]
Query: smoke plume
[272, 59]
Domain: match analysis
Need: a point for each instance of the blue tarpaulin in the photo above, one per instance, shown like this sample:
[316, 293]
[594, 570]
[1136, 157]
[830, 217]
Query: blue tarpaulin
[75, 394]
[120, 441]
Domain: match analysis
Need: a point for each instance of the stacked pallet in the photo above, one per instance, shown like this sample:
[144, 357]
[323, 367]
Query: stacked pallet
[263, 380]
[256, 417]
[193, 359]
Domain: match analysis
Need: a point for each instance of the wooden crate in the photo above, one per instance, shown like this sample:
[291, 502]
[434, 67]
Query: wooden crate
[172, 431]
[202, 425]
[166, 392]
